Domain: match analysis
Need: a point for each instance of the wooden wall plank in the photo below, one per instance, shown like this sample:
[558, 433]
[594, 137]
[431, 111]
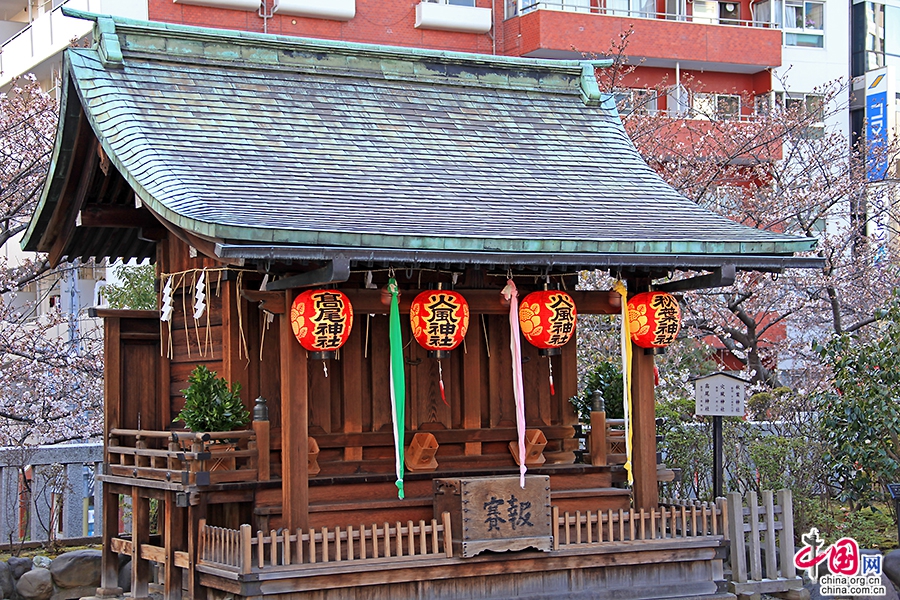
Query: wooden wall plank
[380, 360]
[112, 376]
[502, 403]
[351, 373]
[565, 374]
[234, 332]
[473, 393]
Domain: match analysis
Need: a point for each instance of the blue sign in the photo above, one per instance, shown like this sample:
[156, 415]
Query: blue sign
[876, 133]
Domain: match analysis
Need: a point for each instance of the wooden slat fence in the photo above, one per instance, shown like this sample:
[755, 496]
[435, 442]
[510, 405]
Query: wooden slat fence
[598, 527]
[241, 550]
[756, 533]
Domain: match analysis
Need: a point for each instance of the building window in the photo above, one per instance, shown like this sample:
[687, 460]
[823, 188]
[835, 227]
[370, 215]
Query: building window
[636, 102]
[715, 106]
[630, 8]
[809, 107]
[455, 2]
[518, 7]
[803, 22]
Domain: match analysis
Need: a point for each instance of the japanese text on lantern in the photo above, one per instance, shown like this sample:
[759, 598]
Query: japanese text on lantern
[562, 319]
[667, 324]
[442, 324]
[328, 320]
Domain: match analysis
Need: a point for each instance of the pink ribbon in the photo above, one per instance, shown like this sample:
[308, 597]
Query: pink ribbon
[515, 345]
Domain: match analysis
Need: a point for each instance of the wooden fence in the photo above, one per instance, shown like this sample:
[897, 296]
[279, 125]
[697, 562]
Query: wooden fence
[753, 531]
[241, 550]
[589, 527]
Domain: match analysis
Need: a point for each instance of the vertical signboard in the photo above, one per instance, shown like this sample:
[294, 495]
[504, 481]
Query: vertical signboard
[879, 120]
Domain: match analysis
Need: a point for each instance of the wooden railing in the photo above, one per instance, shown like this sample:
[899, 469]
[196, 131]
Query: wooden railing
[183, 457]
[240, 550]
[589, 527]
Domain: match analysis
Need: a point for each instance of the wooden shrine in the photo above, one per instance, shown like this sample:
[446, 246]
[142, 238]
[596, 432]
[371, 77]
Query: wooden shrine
[263, 166]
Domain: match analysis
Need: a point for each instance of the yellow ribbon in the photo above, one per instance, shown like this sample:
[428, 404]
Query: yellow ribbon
[625, 343]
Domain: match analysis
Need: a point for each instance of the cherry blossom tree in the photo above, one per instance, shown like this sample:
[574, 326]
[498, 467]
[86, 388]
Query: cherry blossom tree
[50, 368]
[782, 165]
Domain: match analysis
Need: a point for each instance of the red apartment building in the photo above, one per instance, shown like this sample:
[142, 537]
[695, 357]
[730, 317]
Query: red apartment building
[717, 44]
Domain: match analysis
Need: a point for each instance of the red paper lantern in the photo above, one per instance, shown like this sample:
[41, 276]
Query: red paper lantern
[654, 319]
[439, 320]
[321, 320]
[547, 320]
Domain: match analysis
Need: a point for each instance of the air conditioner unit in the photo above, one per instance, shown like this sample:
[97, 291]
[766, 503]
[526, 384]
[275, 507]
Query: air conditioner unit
[453, 17]
[334, 10]
[232, 4]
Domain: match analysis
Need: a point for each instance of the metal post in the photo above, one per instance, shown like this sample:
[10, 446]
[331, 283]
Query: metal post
[717, 457]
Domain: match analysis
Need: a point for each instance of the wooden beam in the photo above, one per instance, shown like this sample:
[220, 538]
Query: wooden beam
[270, 301]
[294, 426]
[334, 271]
[114, 216]
[483, 301]
[66, 209]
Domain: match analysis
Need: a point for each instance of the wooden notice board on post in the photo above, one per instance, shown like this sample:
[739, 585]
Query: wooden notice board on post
[496, 513]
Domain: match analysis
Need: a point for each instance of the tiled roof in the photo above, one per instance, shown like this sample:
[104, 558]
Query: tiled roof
[274, 140]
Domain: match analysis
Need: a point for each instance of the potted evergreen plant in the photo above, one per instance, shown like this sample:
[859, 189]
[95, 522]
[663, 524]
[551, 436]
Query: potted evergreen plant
[209, 404]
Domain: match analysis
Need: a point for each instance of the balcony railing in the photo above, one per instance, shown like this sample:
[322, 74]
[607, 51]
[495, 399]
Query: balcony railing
[602, 8]
[52, 32]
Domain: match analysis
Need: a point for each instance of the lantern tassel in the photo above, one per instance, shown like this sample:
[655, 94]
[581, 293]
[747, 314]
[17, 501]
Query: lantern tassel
[441, 383]
[515, 345]
[625, 344]
[325, 368]
[398, 382]
[552, 389]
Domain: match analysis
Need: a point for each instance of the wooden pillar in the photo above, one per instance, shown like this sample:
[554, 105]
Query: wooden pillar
[643, 393]
[294, 426]
[175, 537]
[109, 561]
[112, 394]
[140, 535]
[194, 514]
[646, 490]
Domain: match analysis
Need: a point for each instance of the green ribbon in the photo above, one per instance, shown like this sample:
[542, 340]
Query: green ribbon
[398, 382]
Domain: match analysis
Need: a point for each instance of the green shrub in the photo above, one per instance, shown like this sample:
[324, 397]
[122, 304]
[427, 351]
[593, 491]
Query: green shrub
[209, 405]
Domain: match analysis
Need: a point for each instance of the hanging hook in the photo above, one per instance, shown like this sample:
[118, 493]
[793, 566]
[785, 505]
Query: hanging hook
[509, 272]
[391, 272]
